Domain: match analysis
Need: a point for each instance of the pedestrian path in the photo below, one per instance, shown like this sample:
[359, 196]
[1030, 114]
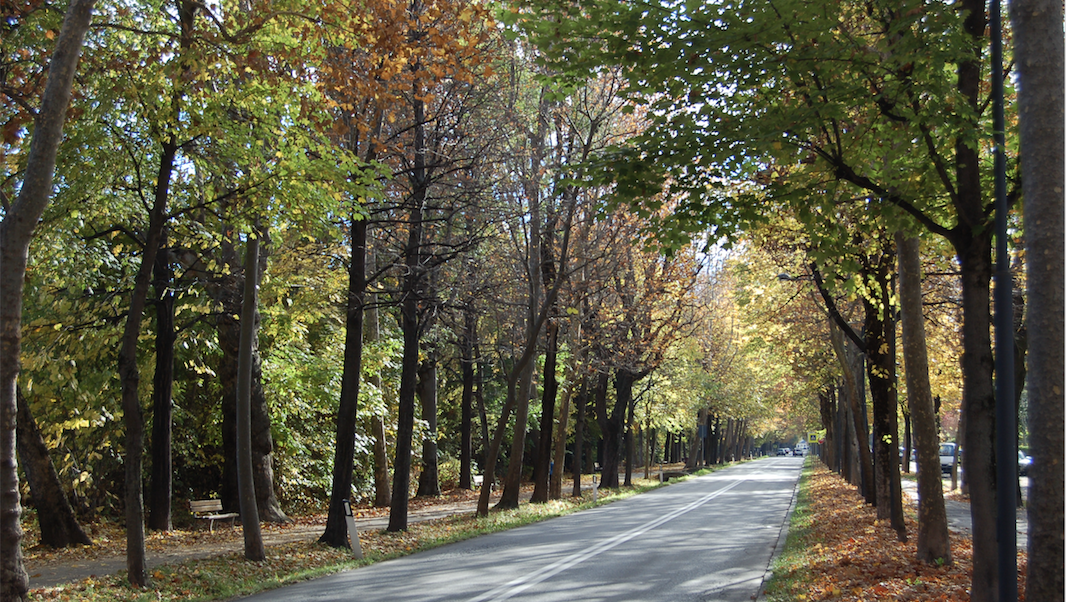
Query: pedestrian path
[49, 574]
[959, 513]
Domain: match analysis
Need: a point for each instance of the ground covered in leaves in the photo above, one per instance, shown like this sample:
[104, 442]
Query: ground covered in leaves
[838, 551]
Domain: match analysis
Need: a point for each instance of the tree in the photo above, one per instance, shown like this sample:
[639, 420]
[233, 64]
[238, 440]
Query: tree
[1038, 45]
[253, 538]
[933, 543]
[16, 232]
[642, 309]
[812, 93]
[55, 517]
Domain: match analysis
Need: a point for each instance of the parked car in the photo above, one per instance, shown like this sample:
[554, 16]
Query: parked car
[947, 457]
[1024, 462]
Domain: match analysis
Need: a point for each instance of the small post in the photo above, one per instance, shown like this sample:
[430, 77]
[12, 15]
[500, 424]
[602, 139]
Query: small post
[595, 489]
[660, 472]
[353, 533]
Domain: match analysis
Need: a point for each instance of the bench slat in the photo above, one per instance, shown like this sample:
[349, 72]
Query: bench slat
[205, 505]
[210, 510]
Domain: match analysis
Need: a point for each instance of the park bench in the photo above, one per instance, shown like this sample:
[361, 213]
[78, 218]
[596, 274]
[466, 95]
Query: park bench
[210, 510]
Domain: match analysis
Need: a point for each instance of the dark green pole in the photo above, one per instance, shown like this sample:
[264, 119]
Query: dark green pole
[1006, 430]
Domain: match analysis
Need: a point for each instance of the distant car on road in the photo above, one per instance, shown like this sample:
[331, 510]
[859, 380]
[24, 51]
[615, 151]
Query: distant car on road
[1024, 462]
[947, 457]
[784, 451]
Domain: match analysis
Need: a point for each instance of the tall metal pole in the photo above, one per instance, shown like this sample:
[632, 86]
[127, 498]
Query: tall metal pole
[1006, 429]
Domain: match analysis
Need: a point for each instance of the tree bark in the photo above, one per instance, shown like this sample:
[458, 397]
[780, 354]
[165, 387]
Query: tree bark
[630, 437]
[694, 446]
[161, 490]
[229, 294]
[542, 462]
[881, 373]
[466, 428]
[612, 425]
[1038, 50]
[382, 491]
[827, 412]
[55, 517]
[555, 486]
[130, 377]
[859, 433]
[579, 436]
[934, 545]
[429, 478]
[16, 232]
[972, 239]
[253, 537]
[336, 532]
[409, 322]
[978, 461]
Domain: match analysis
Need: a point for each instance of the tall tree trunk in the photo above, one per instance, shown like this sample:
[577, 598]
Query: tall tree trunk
[978, 461]
[253, 537]
[555, 489]
[717, 441]
[513, 481]
[856, 401]
[934, 545]
[1038, 50]
[409, 322]
[536, 308]
[429, 478]
[130, 377]
[16, 232]
[229, 294]
[482, 413]
[612, 425]
[336, 533]
[542, 462]
[694, 446]
[826, 411]
[160, 494]
[881, 373]
[972, 240]
[908, 445]
[579, 435]
[59, 527]
[1021, 348]
[466, 427]
[730, 434]
[372, 327]
[630, 436]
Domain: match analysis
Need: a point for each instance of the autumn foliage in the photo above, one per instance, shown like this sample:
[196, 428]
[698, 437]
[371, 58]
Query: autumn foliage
[839, 551]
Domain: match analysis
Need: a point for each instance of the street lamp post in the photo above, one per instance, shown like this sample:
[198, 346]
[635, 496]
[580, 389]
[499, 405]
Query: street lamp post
[1006, 430]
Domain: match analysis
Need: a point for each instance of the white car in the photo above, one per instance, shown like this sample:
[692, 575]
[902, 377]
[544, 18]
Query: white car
[947, 457]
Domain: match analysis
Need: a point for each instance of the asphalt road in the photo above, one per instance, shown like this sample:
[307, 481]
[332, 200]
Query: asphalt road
[709, 538]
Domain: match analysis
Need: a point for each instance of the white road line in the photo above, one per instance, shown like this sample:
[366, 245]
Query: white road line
[523, 583]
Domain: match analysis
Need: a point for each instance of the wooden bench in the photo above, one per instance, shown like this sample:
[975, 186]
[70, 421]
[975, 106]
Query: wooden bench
[210, 510]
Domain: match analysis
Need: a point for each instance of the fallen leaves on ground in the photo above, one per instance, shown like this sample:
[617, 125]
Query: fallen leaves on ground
[849, 556]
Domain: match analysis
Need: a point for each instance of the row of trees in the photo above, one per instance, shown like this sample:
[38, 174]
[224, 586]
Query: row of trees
[863, 121]
[409, 194]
